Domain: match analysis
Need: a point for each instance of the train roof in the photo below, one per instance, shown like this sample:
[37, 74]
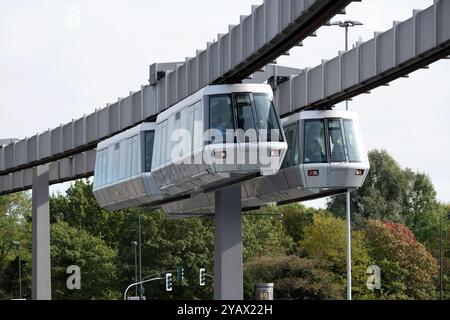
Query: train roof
[213, 90]
[146, 126]
[319, 114]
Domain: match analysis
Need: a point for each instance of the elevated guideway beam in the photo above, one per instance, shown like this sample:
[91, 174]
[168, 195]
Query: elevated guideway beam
[268, 32]
[82, 164]
[76, 167]
[406, 47]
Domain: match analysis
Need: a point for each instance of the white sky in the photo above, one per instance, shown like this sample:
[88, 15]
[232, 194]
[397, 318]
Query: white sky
[60, 59]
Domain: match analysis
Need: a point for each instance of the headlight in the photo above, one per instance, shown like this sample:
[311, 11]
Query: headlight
[313, 173]
[275, 153]
[220, 154]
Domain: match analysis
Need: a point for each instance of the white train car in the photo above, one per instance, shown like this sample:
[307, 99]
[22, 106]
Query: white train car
[122, 176]
[326, 156]
[220, 135]
[216, 137]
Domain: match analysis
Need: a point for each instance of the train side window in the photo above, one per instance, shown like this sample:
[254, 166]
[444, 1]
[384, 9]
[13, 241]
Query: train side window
[128, 157]
[116, 162]
[157, 147]
[315, 142]
[267, 117]
[198, 126]
[353, 141]
[105, 167]
[190, 128]
[164, 142]
[336, 141]
[149, 141]
[220, 114]
[291, 157]
[98, 181]
[135, 155]
[123, 159]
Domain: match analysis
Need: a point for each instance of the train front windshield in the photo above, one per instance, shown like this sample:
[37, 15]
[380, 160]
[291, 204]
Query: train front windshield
[332, 140]
[245, 111]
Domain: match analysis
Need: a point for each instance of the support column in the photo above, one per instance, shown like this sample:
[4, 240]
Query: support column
[228, 270]
[41, 280]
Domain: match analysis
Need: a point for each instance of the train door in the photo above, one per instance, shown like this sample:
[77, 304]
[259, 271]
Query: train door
[338, 171]
[315, 155]
[245, 130]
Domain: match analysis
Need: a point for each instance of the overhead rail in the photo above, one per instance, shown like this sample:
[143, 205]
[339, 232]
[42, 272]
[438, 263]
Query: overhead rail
[406, 47]
[81, 165]
[75, 167]
[272, 29]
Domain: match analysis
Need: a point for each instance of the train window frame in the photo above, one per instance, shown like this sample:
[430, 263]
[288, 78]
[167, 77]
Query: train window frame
[357, 138]
[123, 160]
[197, 136]
[101, 177]
[324, 132]
[116, 162]
[164, 142]
[128, 159]
[252, 112]
[282, 137]
[328, 140]
[293, 158]
[210, 97]
[105, 163]
[148, 166]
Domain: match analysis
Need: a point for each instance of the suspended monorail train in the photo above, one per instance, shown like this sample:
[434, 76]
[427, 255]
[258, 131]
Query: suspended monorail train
[221, 135]
[326, 156]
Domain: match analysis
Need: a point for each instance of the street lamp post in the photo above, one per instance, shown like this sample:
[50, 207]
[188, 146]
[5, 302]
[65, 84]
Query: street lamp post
[134, 243]
[17, 243]
[348, 24]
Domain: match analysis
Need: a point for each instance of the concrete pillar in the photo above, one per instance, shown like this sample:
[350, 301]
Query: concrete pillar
[41, 279]
[228, 269]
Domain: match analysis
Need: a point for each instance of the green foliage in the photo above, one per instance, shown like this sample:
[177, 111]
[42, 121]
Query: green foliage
[264, 233]
[394, 194]
[295, 218]
[325, 241]
[408, 269]
[293, 278]
[301, 250]
[97, 261]
[79, 209]
[14, 209]
[168, 244]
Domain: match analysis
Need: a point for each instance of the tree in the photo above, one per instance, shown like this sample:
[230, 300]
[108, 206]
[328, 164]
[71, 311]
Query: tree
[422, 213]
[262, 232]
[325, 241]
[97, 262]
[79, 209]
[167, 244]
[14, 226]
[394, 194]
[295, 218]
[408, 269]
